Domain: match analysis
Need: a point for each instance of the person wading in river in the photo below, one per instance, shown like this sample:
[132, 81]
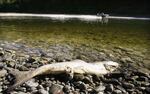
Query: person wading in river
[104, 17]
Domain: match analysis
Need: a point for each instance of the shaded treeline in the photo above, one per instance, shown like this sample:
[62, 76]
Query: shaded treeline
[120, 7]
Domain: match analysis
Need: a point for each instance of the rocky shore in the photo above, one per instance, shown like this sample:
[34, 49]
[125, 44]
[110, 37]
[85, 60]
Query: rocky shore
[128, 79]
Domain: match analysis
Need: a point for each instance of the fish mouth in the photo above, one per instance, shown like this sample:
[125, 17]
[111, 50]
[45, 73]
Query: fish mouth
[111, 68]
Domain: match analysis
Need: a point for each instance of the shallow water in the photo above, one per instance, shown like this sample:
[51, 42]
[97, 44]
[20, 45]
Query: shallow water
[132, 34]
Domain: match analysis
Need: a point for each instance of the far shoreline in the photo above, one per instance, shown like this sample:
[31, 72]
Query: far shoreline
[66, 16]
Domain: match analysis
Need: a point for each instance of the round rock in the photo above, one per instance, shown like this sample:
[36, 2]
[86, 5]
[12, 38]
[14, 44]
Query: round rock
[100, 88]
[56, 89]
[128, 85]
[117, 91]
[109, 87]
[31, 83]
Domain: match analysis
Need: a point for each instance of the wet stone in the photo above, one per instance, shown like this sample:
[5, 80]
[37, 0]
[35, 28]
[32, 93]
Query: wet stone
[117, 91]
[142, 78]
[30, 60]
[88, 79]
[75, 92]
[100, 88]
[126, 59]
[42, 91]
[109, 88]
[40, 87]
[115, 75]
[130, 90]
[2, 59]
[112, 81]
[22, 89]
[128, 85]
[3, 72]
[78, 77]
[20, 92]
[1, 53]
[145, 84]
[141, 88]
[100, 93]
[1, 89]
[1, 65]
[147, 89]
[81, 85]
[33, 89]
[55, 89]
[23, 68]
[66, 88]
[48, 83]
[34, 65]
[139, 73]
[122, 89]
[31, 83]
[11, 64]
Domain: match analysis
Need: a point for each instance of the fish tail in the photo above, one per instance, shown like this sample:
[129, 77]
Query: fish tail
[20, 78]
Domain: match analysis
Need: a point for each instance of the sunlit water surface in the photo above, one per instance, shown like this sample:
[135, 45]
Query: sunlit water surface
[132, 34]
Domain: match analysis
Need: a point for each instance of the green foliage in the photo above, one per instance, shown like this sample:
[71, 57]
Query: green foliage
[7, 1]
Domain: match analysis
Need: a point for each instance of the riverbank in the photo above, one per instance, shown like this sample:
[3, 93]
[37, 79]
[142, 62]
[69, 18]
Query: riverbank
[26, 44]
[131, 77]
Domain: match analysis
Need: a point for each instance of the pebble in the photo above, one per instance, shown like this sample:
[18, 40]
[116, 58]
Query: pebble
[100, 88]
[42, 91]
[23, 68]
[30, 60]
[11, 64]
[1, 89]
[109, 87]
[142, 78]
[20, 92]
[1, 65]
[141, 88]
[147, 90]
[33, 89]
[112, 81]
[66, 88]
[100, 93]
[117, 91]
[139, 73]
[115, 75]
[128, 85]
[88, 80]
[126, 60]
[124, 82]
[1, 53]
[22, 89]
[79, 77]
[145, 84]
[40, 87]
[31, 83]
[122, 89]
[3, 72]
[56, 89]
[83, 86]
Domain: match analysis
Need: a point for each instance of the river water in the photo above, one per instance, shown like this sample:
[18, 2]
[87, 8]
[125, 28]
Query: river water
[89, 30]
[127, 33]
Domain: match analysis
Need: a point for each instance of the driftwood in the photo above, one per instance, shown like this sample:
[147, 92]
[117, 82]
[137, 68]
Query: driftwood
[72, 67]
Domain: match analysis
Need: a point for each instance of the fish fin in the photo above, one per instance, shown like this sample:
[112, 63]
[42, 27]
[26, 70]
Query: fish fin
[20, 77]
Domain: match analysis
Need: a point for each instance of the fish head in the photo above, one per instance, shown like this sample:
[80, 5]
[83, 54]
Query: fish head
[110, 65]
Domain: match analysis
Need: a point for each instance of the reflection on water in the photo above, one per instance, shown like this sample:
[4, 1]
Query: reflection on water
[41, 32]
[60, 17]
